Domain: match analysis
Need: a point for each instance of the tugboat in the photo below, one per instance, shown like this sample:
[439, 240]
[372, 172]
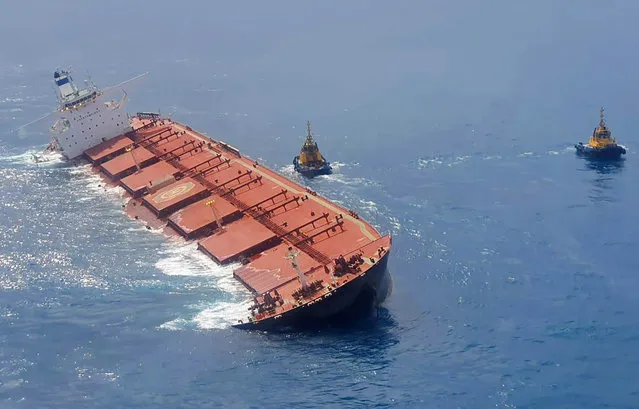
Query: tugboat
[602, 144]
[310, 161]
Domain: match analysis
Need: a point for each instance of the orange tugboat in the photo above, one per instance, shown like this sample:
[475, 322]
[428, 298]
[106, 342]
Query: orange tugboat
[310, 161]
[602, 145]
[303, 257]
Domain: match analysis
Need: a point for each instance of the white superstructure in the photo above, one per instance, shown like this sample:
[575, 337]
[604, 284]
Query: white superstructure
[85, 116]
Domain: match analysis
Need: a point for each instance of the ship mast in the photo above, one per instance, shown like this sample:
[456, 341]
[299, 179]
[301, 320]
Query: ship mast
[309, 137]
[602, 122]
[292, 255]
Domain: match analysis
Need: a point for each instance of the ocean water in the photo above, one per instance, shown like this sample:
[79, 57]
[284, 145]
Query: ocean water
[450, 125]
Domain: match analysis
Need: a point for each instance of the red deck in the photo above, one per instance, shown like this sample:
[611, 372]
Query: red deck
[198, 217]
[104, 151]
[148, 176]
[240, 238]
[195, 161]
[271, 269]
[175, 196]
[124, 164]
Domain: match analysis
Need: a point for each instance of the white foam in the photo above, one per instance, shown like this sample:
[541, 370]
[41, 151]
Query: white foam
[222, 315]
[397, 226]
[175, 325]
[29, 158]
[184, 259]
[459, 159]
[422, 163]
[414, 232]
[369, 206]
[288, 170]
[215, 315]
[95, 185]
[341, 178]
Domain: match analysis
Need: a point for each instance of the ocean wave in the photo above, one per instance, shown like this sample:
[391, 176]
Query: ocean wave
[184, 259]
[34, 158]
[213, 315]
[222, 315]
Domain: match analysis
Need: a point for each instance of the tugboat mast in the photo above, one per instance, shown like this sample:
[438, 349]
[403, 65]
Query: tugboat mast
[309, 137]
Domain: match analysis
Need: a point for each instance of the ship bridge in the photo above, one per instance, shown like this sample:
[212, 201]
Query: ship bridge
[68, 93]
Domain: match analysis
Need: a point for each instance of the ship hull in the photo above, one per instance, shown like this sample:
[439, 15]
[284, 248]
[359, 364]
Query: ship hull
[610, 152]
[310, 172]
[352, 300]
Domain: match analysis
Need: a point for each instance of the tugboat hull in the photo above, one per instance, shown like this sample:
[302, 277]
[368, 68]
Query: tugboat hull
[310, 172]
[365, 292]
[608, 152]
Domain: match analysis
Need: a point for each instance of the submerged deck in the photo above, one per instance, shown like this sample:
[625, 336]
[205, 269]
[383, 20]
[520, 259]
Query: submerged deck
[191, 182]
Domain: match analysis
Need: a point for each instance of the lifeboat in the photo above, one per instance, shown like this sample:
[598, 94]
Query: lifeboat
[602, 145]
[310, 161]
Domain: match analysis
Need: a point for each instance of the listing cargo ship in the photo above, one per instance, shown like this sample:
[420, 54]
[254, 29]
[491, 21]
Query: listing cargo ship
[303, 257]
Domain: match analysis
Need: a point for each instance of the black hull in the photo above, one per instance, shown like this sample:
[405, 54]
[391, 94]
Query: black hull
[612, 153]
[353, 299]
[308, 172]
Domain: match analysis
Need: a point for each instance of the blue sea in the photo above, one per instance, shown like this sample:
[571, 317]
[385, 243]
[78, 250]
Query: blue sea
[450, 124]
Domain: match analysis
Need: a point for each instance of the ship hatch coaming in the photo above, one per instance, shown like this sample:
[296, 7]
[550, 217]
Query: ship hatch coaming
[198, 218]
[148, 177]
[125, 164]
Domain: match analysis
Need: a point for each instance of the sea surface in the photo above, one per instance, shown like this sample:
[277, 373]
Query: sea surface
[450, 124]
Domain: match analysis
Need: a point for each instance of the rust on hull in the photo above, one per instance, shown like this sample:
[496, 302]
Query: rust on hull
[297, 251]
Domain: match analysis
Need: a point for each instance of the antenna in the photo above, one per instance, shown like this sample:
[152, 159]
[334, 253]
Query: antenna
[309, 137]
[89, 81]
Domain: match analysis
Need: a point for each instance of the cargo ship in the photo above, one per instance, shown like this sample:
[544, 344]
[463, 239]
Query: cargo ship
[602, 145]
[304, 258]
[310, 161]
